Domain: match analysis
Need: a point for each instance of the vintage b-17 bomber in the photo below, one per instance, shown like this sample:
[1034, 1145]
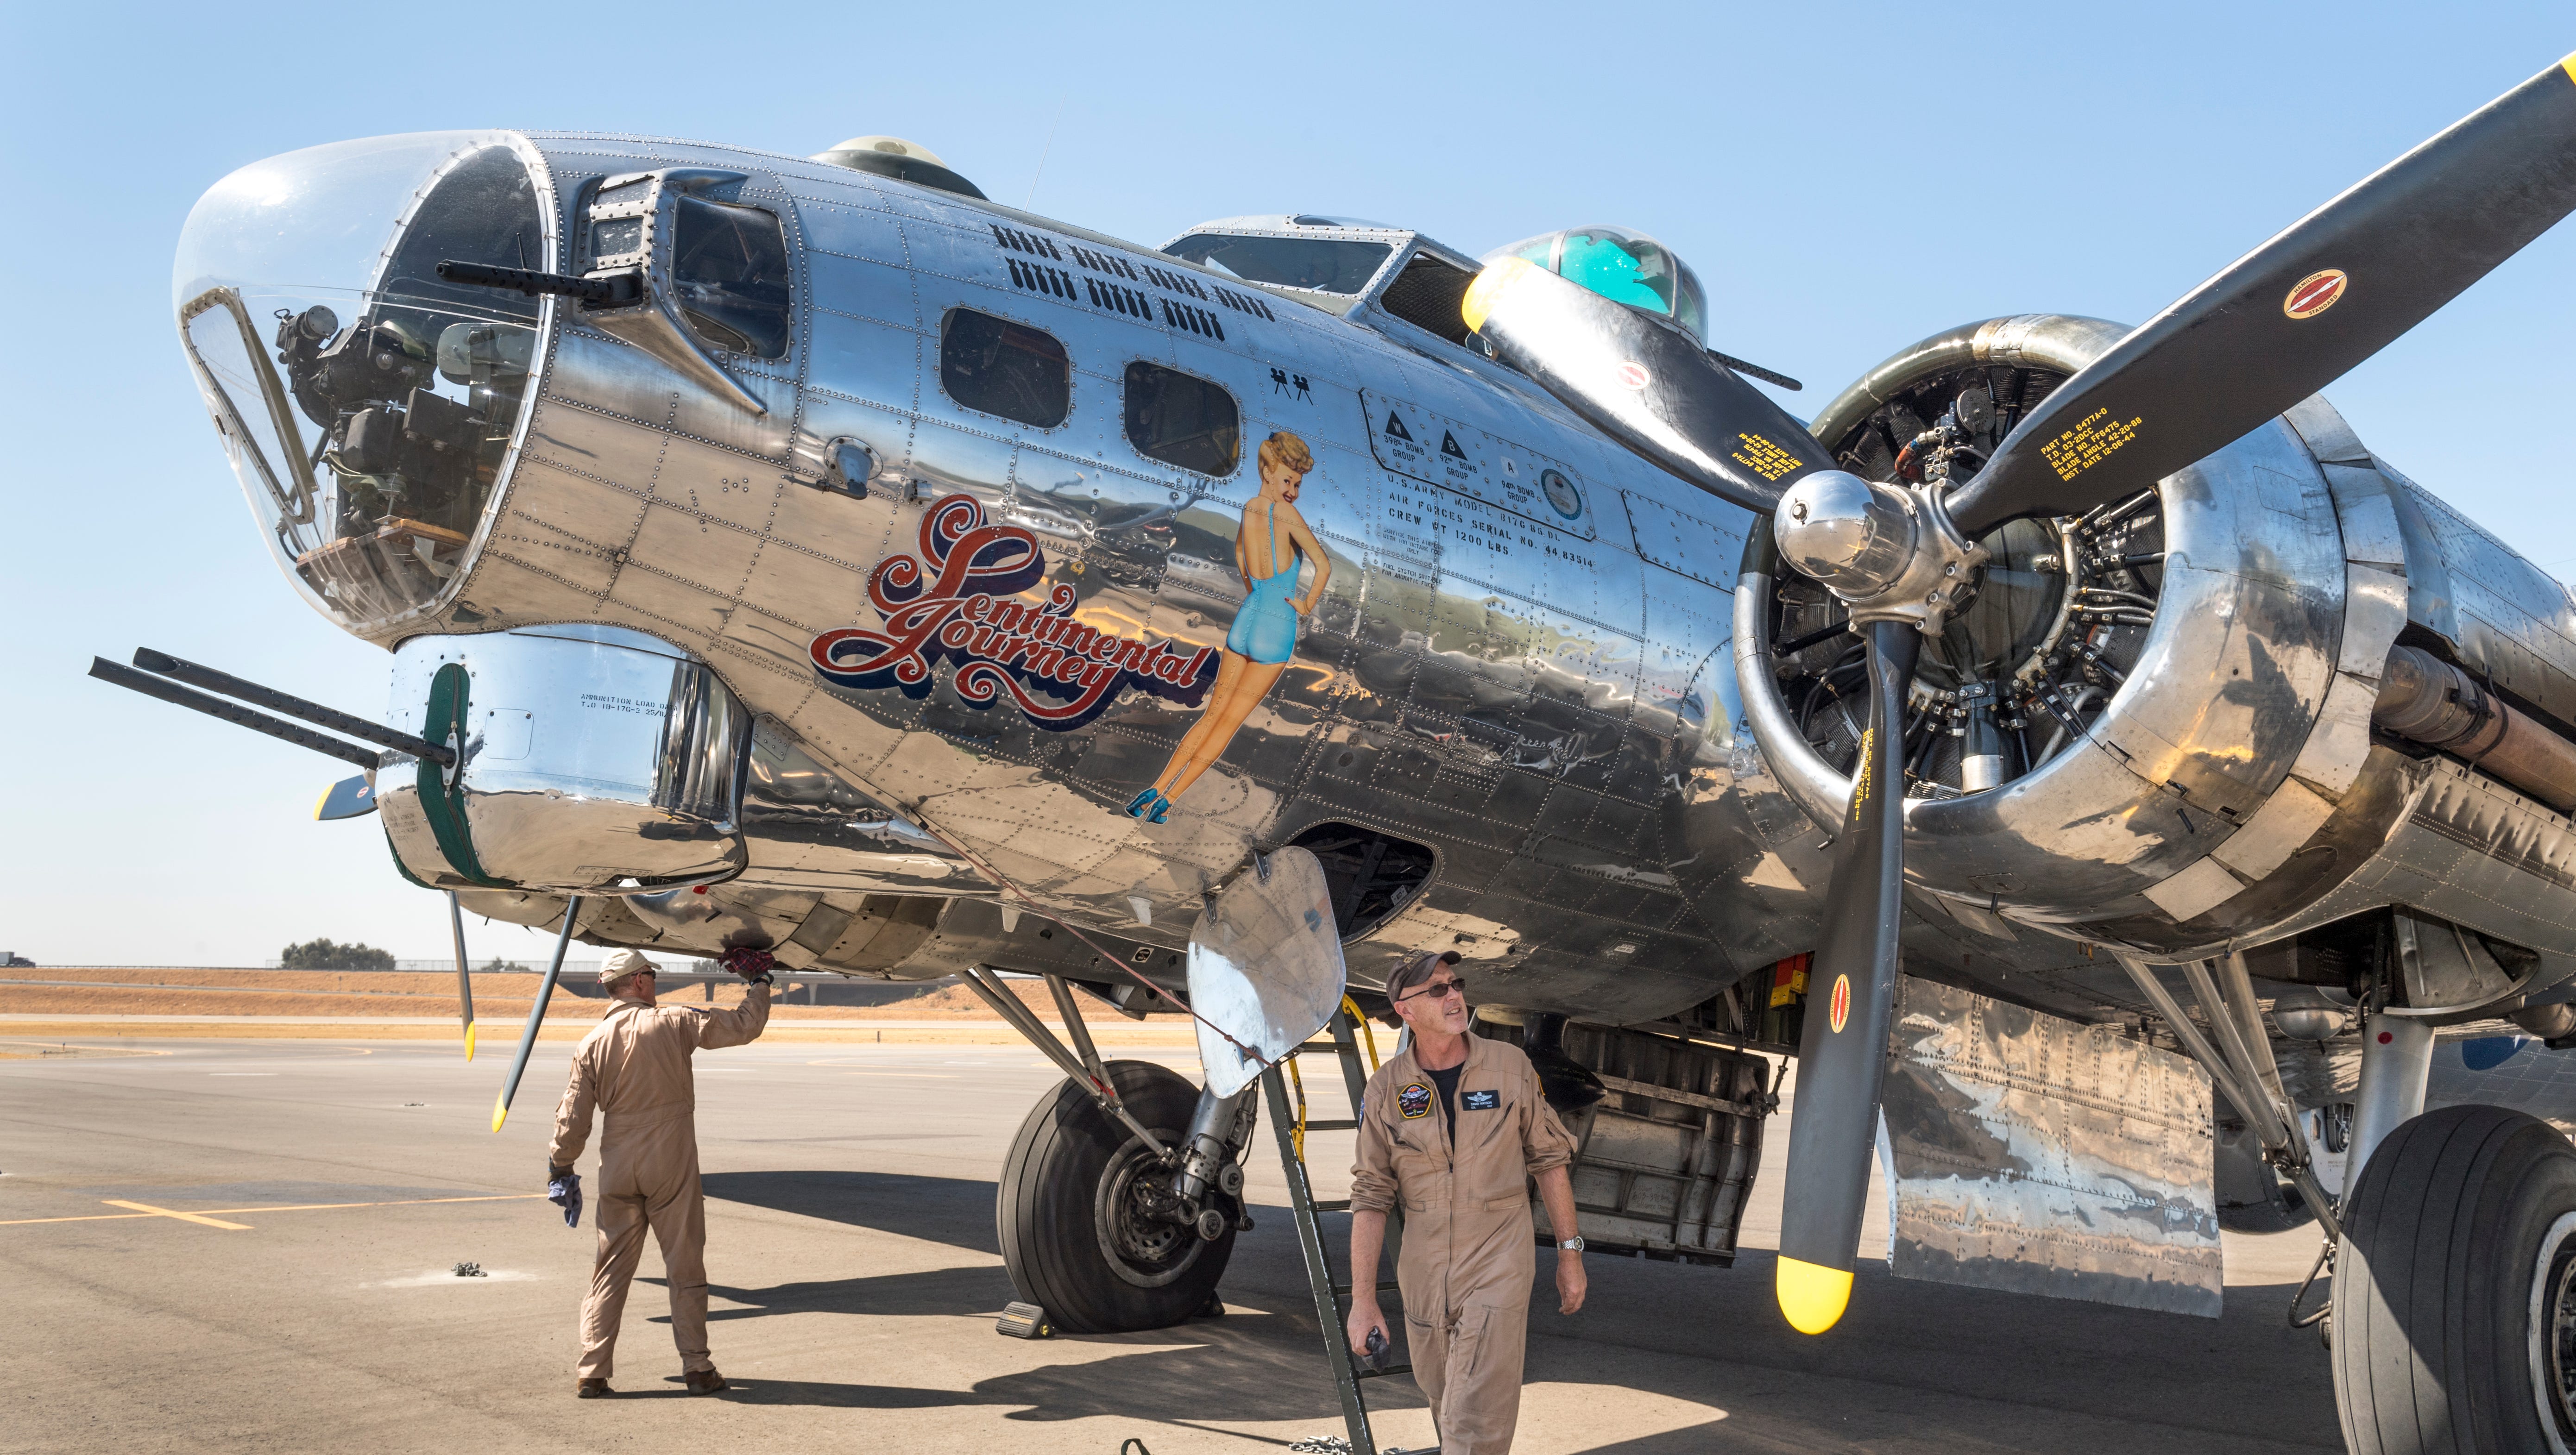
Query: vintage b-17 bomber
[815, 555]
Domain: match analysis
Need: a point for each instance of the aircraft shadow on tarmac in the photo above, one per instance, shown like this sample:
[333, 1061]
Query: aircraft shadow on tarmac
[1257, 1369]
[929, 1292]
[1249, 1369]
[949, 1210]
[2263, 1381]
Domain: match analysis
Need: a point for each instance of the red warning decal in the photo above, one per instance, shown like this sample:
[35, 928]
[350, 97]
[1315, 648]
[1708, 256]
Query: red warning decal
[1841, 1010]
[2315, 293]
[1632, 375]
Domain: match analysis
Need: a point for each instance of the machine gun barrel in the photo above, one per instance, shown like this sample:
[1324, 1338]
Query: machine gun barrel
[294, 707]
[1756, 370]
[622, 288]
[258, 722]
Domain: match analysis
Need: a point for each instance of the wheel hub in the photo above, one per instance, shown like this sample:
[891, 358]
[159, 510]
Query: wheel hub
[1142, 1243]
[2553, 1332]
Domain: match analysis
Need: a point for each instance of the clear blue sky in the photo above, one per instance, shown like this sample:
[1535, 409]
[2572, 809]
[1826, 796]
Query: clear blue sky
[1845, 179]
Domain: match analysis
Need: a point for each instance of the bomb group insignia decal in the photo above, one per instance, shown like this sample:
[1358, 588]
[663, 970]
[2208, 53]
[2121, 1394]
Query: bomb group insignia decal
[957, 601]
[1414, 1101]
[2314, 294]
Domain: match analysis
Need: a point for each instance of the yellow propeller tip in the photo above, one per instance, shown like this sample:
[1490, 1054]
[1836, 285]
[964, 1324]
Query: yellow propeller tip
[469, 1040]
[501, 1113]
[1489, 285]
[1812, 1296]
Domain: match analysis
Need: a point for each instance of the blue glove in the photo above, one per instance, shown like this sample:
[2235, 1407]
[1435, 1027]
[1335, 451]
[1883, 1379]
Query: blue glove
[563, 1189]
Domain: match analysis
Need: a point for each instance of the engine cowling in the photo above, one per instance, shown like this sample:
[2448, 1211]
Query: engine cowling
[2172, 694]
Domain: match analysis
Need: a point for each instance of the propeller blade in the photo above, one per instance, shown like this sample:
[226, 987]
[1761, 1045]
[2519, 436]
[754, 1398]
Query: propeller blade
[1842, 1050]
[2293, 315]
[464, 977]
[536, 1015]
[1645, 385]
[348, 798]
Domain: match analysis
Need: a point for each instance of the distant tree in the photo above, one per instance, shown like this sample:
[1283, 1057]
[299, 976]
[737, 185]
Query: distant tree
[499, 966]
[324, 955]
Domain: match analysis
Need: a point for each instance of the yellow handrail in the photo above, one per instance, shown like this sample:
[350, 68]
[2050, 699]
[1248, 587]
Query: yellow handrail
[1351, 1008]
[1297, 1132]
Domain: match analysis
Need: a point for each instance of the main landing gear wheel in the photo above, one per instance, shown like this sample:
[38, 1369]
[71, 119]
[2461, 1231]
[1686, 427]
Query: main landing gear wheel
[2455, 1290]
[1075, 1210]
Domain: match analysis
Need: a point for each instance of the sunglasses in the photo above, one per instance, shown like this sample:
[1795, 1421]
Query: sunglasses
[1439, 989]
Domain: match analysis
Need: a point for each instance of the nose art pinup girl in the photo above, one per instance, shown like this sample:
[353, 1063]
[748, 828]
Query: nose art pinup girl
[1270, 551]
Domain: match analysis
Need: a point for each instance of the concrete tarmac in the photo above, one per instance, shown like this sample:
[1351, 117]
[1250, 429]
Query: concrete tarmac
[248, 1245]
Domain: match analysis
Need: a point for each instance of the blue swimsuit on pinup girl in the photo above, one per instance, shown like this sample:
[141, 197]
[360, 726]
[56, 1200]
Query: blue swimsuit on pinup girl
[1265, 631]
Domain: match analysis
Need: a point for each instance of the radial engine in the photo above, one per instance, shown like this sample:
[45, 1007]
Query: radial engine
[2283, 687]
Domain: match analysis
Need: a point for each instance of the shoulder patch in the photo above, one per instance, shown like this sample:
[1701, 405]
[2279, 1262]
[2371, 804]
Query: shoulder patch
[1480, 1100]
[1414, 1100]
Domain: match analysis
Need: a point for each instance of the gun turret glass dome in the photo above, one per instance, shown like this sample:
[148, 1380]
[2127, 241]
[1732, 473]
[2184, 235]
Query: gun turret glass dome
[1622, 266]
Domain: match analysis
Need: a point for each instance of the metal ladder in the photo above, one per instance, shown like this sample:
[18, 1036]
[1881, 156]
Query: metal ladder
[1332, 1305]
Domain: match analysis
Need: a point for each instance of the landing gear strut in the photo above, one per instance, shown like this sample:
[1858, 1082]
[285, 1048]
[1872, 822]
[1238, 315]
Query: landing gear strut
[1091, 1228]
[1121, 1195]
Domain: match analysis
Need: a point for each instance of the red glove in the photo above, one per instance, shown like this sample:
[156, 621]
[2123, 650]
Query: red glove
[752, 965]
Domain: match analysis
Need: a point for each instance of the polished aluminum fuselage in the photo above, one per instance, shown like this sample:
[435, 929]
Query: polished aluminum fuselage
[1550, 704]
[1549, 708]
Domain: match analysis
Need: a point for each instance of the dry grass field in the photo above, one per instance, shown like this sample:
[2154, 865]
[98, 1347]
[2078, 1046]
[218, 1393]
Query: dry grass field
[224, 1002]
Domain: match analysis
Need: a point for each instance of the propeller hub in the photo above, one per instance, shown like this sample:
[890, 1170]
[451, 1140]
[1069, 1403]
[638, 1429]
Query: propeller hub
[1847, 532]
[1890, 552]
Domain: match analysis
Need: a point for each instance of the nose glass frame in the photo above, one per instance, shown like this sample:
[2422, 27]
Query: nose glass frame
[372, 412]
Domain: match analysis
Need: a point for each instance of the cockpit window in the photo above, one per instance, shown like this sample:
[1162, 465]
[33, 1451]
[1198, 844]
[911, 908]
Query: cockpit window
[1325, 264]
[729, 266]
[1181, 419]
[1004, 368]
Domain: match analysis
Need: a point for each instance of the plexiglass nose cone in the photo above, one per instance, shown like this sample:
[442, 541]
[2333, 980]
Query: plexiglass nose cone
[369, 407]
[1844, 531]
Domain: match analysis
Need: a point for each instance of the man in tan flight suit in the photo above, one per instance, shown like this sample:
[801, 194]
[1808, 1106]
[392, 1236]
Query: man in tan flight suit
[1453, 1128]
[635, 1069]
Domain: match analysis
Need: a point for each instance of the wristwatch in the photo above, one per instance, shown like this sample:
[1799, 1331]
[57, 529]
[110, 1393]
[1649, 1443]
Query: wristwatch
[1573, 1244]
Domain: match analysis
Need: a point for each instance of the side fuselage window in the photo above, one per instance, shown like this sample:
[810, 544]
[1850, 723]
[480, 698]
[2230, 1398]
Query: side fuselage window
[1004, 368]
[1181, 419]
[729, 267]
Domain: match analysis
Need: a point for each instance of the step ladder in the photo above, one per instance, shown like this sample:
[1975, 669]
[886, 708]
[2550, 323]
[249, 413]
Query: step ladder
[1332, 1299]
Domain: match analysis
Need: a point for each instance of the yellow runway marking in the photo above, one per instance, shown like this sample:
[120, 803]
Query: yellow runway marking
[147, 1210]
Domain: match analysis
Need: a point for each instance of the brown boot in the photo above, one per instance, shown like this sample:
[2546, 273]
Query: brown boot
[703, 1381]
[592, 1389]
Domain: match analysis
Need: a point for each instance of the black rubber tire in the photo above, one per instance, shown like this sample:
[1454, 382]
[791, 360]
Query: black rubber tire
[2433, 1284]
[1048, 1208]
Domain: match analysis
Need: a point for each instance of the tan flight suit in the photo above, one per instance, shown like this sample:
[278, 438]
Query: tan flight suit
[1469, 1241]
[635, 1069]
